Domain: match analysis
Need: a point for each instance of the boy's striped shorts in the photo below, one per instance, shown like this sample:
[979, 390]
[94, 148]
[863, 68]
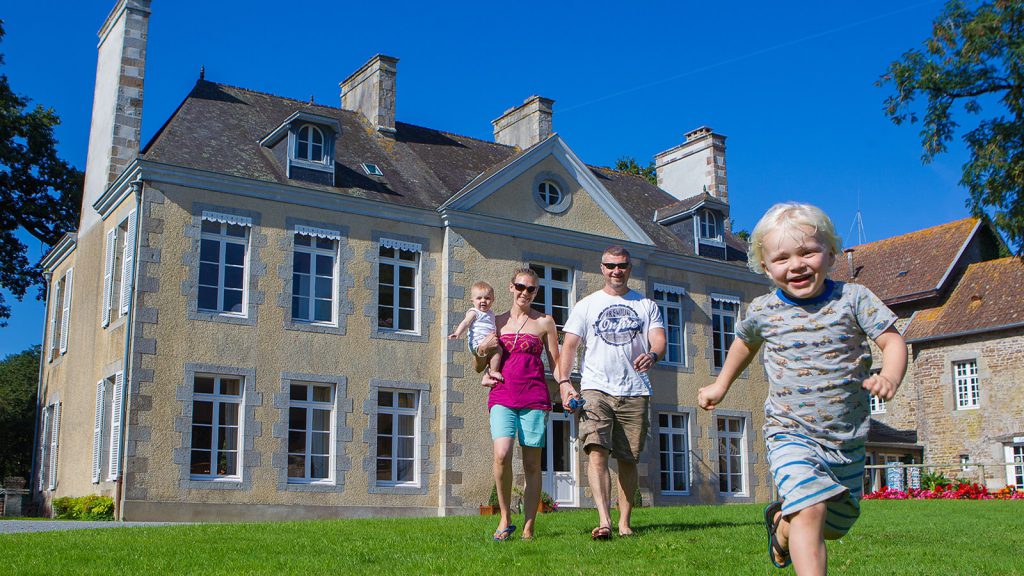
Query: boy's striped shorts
[807, 473]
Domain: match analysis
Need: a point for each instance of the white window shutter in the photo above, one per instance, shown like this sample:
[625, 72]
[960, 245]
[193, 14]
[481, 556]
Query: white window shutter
[66, 313]
[55, 310]
[97, 435]
[44, 441]
[115, 427]
[129, 263]
[54, 431]
[108, 275]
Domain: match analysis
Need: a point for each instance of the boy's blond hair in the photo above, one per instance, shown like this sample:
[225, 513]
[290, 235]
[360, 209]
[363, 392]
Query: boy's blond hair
[789, 217]
[481, 285]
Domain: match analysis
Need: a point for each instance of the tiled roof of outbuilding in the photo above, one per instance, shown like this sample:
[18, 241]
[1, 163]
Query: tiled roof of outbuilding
[989, 296]
[907, 266]
[218, 128]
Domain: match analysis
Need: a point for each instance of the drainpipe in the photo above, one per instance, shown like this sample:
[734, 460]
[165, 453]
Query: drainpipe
[442, 409]
[137, 191]
[39, 388]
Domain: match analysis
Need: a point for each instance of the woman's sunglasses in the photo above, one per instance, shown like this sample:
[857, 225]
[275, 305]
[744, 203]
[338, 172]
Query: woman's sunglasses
[614, 265]
[520, 287]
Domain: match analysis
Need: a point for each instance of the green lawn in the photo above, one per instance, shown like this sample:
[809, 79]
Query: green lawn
[901, 537]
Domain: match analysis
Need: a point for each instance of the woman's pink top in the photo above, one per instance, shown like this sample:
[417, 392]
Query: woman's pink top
[524, 385]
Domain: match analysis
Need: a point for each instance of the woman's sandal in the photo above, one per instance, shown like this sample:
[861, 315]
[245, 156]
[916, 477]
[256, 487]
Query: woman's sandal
[506, 534]
[601, 533]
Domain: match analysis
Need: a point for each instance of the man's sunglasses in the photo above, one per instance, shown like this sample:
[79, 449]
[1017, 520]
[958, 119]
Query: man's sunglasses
[614, 265]
[520, 287]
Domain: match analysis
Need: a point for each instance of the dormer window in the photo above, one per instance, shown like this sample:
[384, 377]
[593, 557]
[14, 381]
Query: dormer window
[709, 226]
[309, 144]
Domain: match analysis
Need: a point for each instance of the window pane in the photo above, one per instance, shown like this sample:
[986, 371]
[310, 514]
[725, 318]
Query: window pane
[406, 400]
[406, 425]
[300, 263]
[406, 320]
[300, 308]
[302, 149]
[321, 443]
[325, 244]
[317, 153]
[383, 470]
[235, 230]
[321, 420]
[227, 464]
[384, 424]
[385, 398]
[228, 415]
[405, 470]
[297, 418]
[384, 447]
[324, 265]
[302, 240]
[407, 255]
[322, 310]
[202, 437]
[297, 442]
[387, 252]
[233, 301]
[296, 466]
[323, 287]
[200, 463]
[406, 276]
[406, 297]
[300, 284]
[297, 392]
[233, 277]
[203, 385]
[559, 297]
[234, 254]
[208, 274]
[405, 447]
[207, 298]
[319, 467]
[560, 274]
[230, 386]
[202, 412]
[662, 420]
[322, 393]
[209, 250]
[210, 226]
[227, 438]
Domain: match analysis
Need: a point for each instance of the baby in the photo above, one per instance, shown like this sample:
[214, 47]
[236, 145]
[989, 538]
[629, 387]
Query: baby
[479, 321]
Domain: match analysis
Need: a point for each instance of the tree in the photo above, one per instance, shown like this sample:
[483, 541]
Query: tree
[19, 375]
[974, 56]
[39, 192]
[628, 165]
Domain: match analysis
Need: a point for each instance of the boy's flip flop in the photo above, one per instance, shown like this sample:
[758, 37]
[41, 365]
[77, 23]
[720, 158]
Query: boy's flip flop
[505, 534]
[772, 526]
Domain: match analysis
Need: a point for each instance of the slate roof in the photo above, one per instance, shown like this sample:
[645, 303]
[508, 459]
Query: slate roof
[907, 267]
[988, 297]
[218, 128]
[685, 205]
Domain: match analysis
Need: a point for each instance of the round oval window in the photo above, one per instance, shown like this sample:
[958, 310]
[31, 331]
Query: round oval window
[549, 194]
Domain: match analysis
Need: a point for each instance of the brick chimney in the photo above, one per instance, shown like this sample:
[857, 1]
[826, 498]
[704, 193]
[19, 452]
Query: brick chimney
[371, 92]
[695, 166]
[115, 131]
[525, 125]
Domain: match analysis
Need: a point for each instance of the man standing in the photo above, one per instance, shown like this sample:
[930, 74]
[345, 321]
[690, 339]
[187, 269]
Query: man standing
[623, 336]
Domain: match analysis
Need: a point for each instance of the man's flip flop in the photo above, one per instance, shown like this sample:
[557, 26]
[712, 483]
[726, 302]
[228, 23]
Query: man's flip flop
[601, 533]
[772, 526]
[505, 534]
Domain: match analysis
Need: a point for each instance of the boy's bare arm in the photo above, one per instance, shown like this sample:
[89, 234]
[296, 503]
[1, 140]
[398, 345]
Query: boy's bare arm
[894, 365]
[736, 361]
[463, 326]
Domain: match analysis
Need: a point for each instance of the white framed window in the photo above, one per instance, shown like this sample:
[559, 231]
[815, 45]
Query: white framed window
[709, 226]
[310, 432]
[731, 454]
[1015, 471]
[60, 314]
[674, 451]
[398, 286]
[398, 439]
[216, 428]
[554, 293]
[372, 169]
[309, 144]
[724, 315]
[965, 377]
[315, 279]
[670, 300]
[877, 405]
[223, 265]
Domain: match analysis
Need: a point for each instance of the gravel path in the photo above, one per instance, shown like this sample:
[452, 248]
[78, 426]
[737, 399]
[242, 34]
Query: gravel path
[24, 526]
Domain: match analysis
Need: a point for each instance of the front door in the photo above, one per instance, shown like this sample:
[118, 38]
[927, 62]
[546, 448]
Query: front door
[559, 462]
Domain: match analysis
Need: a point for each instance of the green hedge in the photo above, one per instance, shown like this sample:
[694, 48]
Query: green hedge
[91, 507]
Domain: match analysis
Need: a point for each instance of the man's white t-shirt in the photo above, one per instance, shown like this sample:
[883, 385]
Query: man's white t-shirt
[614, 330]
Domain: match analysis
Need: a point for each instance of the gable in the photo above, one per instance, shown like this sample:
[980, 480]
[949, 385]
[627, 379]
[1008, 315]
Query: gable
[508, 192]
[520, 200]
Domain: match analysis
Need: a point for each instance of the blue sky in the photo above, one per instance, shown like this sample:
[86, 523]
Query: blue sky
[790, 84]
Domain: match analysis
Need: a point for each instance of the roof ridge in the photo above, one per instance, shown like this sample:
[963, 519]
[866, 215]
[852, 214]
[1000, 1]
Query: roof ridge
[450, 133]
[288, 98]
[973, 219]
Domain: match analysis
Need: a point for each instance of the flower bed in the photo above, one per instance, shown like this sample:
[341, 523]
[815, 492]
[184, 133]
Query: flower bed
[962, 491]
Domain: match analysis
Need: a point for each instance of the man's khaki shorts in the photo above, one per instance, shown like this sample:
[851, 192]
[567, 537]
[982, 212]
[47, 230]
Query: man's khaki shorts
[616, 423]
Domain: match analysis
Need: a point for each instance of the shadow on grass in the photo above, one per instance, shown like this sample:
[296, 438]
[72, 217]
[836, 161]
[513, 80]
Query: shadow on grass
[684, 527]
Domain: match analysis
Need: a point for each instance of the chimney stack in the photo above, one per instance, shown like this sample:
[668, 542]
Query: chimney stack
[371, 92]
[849, 262]
[525, 125]
[115, 130]
[695, 166]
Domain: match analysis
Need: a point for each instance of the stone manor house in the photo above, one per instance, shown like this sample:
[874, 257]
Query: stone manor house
[250, 321]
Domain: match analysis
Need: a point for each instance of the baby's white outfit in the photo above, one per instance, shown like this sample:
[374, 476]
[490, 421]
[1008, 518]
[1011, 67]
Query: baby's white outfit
[481, 328]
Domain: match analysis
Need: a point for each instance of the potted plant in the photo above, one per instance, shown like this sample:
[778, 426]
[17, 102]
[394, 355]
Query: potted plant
[547, 503]
[491, 508]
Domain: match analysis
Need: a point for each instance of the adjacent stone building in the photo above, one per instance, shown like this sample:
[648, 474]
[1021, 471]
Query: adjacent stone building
[250, 321]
